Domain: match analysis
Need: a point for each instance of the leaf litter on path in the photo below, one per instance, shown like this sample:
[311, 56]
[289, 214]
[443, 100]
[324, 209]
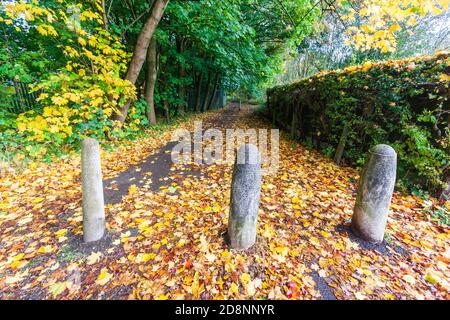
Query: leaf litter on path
[167, 242]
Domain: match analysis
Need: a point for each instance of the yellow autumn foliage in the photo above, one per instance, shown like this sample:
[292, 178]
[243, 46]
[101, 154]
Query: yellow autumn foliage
[380, 20]
[91, 79]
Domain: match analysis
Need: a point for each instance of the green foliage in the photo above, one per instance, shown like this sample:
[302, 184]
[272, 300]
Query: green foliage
[76, 63]
[234, 40]
[403, 103]
[441, 214]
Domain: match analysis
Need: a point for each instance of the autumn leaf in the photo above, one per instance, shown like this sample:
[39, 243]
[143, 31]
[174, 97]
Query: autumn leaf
[132, 189]
[57, 288]
[47, 249]
[61, 232]
[210, 257]
[294, 292]
[167, 246]
[444, 77]
[395, 27]
[245, 278]
[93, 258]
[37, 200]
[234, 288]
[195, 285]
[104, 277]
[409, 278]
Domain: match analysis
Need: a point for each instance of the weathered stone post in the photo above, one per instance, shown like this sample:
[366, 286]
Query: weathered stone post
[245, 192]
[375, 190]
[92, 187]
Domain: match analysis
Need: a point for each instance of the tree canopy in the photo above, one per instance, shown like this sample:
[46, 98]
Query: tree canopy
[89, 61]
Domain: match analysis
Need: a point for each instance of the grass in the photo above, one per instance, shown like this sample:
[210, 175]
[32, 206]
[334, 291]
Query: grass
[441, 214]
[67, 254]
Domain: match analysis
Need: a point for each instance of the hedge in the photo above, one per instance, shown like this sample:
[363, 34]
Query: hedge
[403, 103]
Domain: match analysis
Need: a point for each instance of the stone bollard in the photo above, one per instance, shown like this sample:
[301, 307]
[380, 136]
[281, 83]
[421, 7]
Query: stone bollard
[92, 187]
[245, 192]
[375, 190]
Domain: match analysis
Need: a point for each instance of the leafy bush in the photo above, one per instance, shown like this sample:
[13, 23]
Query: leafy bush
[403, 103]
[80, 82]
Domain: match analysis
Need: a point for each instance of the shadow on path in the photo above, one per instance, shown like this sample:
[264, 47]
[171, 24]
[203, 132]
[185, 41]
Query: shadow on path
[151, 172]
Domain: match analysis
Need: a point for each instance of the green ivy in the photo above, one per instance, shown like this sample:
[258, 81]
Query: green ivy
[402, 103]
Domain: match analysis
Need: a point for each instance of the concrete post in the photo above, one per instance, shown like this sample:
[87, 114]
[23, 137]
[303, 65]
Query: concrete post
[376, 186]
[92, 187]
[245, 193]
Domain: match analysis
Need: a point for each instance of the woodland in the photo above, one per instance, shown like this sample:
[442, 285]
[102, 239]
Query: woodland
[336, 77]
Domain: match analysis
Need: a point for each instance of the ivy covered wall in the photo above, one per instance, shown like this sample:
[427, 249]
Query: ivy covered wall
[403, 103]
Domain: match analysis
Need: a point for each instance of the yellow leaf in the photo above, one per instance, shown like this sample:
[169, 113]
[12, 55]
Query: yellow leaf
[411, 22]
[181, 243]
[444, 77]
[325, 234]
[82, 41]
[18, 257]
[394, 27]
[195, 285]
[41, 30]
[103, 277]
[148, 256]
[234, 288]
[293, 278]
[37, 200]
[314, 240]
[245, 278]
[187, 280]
[132, 189]
[94, 257]
[268, 232]
[57, 288]
[389, 296]
[433, 279]
[46, 249]
[61, 232]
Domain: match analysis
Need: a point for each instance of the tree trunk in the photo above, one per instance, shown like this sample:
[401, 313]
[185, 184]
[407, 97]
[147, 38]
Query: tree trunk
[181, 74]
[198, 97]
[445, 193]
[104, 15]
[166, 111]
[151, 81]
[140, 50]
[207, 93]
[341, 146]
[216, 83]
[294, 122]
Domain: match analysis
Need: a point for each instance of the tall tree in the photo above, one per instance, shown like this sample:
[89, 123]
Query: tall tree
[150, 81]
[140, 50]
